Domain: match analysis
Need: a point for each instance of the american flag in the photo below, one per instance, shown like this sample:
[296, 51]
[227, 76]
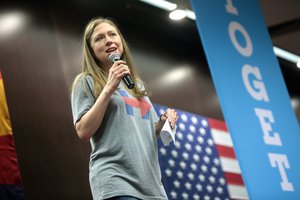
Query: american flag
[202, 163]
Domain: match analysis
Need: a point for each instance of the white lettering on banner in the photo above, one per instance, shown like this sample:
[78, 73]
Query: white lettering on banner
[266, 127]
[233, 28]
[230, 8]
[261, 94]
[281, 161]
[265, 117]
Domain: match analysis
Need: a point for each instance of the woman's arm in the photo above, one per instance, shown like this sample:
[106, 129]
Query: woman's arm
[92, 119]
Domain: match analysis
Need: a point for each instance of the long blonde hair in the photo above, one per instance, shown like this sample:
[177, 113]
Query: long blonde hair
[91, 66]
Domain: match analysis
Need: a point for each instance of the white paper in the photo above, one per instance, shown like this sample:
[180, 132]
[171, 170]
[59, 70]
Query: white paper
[167, 134]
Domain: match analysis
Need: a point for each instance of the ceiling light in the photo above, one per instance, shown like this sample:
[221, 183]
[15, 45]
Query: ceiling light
[165, 5]
[190, 14]
[177, 75]
[180, 14]
[11, 22]
[177, 14]
[286, 55]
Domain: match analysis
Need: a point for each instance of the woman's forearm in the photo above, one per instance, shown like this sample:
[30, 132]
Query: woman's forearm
[91, 120]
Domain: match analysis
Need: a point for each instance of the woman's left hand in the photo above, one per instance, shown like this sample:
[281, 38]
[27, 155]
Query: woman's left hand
[171, 115]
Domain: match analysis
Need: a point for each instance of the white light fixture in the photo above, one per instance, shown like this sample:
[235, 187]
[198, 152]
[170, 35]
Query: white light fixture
[177, 14]
[177, 75]
[11, 22]
[180, 14]
[287, 55]
[165, 5]
[190, 14]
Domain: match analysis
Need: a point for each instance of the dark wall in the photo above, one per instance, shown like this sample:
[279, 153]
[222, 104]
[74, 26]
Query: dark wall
[39, 61]
[41, 58]
[53, 161]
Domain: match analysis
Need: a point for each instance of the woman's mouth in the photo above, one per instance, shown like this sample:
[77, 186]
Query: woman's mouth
[111, 50]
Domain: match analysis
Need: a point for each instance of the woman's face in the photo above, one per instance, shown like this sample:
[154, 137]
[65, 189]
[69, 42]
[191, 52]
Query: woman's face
[104, 41]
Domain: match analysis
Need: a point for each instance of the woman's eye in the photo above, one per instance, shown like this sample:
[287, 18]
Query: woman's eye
[98, 38]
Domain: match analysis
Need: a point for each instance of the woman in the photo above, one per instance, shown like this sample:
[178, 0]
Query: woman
[120, 123]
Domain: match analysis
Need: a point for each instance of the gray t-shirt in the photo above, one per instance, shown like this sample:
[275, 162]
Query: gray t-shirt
[124, 158]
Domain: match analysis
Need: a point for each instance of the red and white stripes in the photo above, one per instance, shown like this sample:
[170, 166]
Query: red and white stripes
[229, 162]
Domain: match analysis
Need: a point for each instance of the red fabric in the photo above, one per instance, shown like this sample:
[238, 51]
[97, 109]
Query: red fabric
[235, 179]
[9, 167]
[224, 151]
[217, 124]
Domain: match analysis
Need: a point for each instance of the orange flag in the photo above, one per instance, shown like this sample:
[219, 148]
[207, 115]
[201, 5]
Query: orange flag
[10, 179]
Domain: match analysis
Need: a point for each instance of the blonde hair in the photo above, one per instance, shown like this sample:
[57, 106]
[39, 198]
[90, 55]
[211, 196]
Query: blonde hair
[91, 66]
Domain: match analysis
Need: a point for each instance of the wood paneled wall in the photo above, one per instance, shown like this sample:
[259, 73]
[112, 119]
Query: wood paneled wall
[39, 62]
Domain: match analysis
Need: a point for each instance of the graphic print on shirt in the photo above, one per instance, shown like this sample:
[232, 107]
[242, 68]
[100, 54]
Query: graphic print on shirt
[141, 104]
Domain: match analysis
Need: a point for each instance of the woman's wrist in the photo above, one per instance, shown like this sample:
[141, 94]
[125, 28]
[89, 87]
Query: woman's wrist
[108, 90]
[163, 117]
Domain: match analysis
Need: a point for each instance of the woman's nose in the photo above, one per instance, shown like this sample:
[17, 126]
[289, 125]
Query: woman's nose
[108, 41]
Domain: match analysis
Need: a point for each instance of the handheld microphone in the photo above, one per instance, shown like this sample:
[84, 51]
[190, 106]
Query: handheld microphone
[127, 78]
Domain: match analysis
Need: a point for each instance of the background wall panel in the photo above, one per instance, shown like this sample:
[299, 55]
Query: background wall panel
[40, 59]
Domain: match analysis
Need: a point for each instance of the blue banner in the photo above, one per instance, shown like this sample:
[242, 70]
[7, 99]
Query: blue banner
[253, 96]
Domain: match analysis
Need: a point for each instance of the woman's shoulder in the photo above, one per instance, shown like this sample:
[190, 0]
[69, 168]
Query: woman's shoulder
[83, 80]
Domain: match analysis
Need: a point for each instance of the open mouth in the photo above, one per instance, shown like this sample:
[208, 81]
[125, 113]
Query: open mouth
[111, 50]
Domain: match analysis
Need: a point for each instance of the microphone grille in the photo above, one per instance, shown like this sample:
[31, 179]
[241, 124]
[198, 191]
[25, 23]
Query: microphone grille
[114, 57]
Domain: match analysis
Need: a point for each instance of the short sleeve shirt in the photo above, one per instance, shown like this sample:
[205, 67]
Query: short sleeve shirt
[124, 159]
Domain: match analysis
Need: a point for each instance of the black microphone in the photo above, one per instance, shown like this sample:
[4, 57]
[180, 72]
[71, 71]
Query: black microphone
[127, 78]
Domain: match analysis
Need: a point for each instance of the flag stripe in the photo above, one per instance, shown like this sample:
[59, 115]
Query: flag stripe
[9, 167]
[5, 126]
[237, 192]
[221, 137]
[217, 124]
[11, 192]
[233, 178]
[225, 151]
[230, 165]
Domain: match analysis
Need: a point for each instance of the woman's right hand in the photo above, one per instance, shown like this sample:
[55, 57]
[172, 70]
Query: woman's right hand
[91, 121]
[117, 71]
